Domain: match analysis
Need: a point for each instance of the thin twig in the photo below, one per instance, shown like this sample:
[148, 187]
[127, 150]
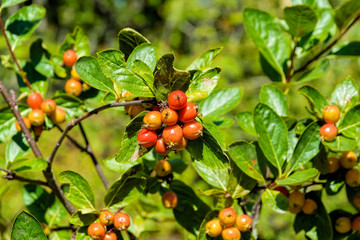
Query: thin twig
[292, 58]
[72, 140]
[12, 176]
[255, 212]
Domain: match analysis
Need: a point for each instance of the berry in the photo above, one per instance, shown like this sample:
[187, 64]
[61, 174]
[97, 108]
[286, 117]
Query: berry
[36, 117]
[355, 225]
[37, 131]
[69, 57]
[163, 168]
[172, 135]
[58, 116]
[227, 217]
[352, 177]
[283, 190]
[85, 87]
[48, 106]
[34, 100]
[188, 113]
[121, 221]
[75, 75]
[356, 201]
[328, 132]
[169, 116]
[182, 145]
[343, 225]
[134, 110]
[73, 87]
[348, 160]
[169, 200]
[26, 121]
[213, 228]
[310, 207]
[147, 105]
[243, 222]
[231, 233]
[110, 236]
[192, 130]
[177, 100]
[155, 108]
[106, 218]
[147, 138]
[333, 164]
[96, 231]
[331, 114]
[152, 120]
[161, 148]
[296, 202]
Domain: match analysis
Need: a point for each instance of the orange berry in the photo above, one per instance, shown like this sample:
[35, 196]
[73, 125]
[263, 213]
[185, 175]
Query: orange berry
[73, 87]
[36, 117]
[96, 231]
[227, 217]
[163, 168]
[243, 222]
[69, 57]
[48, 106]
[213, 228]
[310, 207]
[348, 160]
[231, 233]
[26, 121]
[169, 200]
[106, 218]
[331, 114]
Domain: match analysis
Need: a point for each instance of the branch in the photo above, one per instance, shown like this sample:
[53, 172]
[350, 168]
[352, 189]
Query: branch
[12, 176]
[255, 213]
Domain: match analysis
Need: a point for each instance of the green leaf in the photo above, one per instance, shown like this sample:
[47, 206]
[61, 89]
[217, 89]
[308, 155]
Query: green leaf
[246, 122]
[316, 72]
[115, 166]
[78, 41]
[21, 25]
[143, 71]
[16, 149]
[26, 227]
[335, 182]
[298, 177]
[315, 99]
[272, 135]
[29, 165]
[205, 59]
[37, 81]
[350, 124]
[202, 84]
[267, 33]
[341, 144]
[73, 106]
[239, 183]
[351, 49]
[275, 200]
[220, 101]
[37, 200]
[86, 219]
[60, 235]
[274, 98]
[301, 20]
[212, 136]
[345, 94]
[130, 39]
[40, 59]
[56, 213]
[80, 192]
[221, 121]
[346, 12]
[146, 53]
[9, 3]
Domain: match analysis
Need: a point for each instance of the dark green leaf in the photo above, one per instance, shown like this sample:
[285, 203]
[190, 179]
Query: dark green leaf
[301, 19]
[345, 94]
[38, 81]
[26, 227]
[316, 100]
[28, 165]
[202, 84]
[222, 121]
[178, 165]
[212, 136]
[275, 200]
[246, 122]
[145, 53]
[316, 72]
[351, 49]
[335, 182]
[16, 149]
[298, 177]
[130, 39]
[350, 125]
[143, 71]
[269, 70]
[78, 41]
[9, 3]
[80, 219]
[274, 98]
[205, 59]
[239, 184]
[346, 12]
[341, 144]
[40, 59]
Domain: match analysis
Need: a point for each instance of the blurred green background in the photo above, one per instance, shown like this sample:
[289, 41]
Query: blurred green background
[188, 28]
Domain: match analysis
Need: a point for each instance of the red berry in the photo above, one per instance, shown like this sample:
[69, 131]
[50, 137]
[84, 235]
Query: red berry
[110, 236]
[243, 222]
[48, 106]
[161, 148]
[36, 117]
[37, 131]
[227, 216]
[188, 113]
[283, 190]
[331, 114]
[106, 218]
[169, 200]
[169, 116]
[155, 108]
[152, 120]
[182, 145]
[73, 87]
[231, 233]
[69, 57]
[34, 100]
[96, 231]
[163, 168]
[172, 135]
[146, 137]
[192, 130]
[121, 221]
[177, 100]
[328, 132]
[26, 121]
[213, 228]
[58, 116]
[355, 225]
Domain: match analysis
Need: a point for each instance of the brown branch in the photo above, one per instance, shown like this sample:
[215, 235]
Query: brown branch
[255, 212]
[292, 58]
[12, 176]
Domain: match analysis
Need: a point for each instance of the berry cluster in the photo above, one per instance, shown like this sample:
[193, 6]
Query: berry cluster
[328, 131]
[228, 224]
[345, 224]
[108, 222]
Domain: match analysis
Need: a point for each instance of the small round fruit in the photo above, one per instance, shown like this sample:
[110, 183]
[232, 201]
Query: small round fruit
[146, 137]
[177, 100]
[328, 132]
[331, 114]
[48, 106]
[172, 135]
[213, 228]
[74, 74]
[147, 105]
[26, 121]
[333, 164]
[69, 57]
[96, 231]
[355, 225]
[192, 130]
[34, 100]
[161, 148]
[182, 145]
[231, 233]
[296, 202]
[352, 177]
[73, 87]
[36, 117]
[152, 120]
[110, 236]
[227, 217]
[58, 116]
[163, 168]
[343, 225]
[121, 221]
[169, 116]
[37, 131]
[310, 207]
[356, 201]
[106, 218]
[85, 87]
[188, 113]
[169, 200]
[134, 110]
[348, 160]
[243, 222]
[283, 190]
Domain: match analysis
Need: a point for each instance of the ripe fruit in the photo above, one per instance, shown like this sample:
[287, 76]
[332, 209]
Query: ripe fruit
[169, 116]
[296, 202]
[243, 222]
[227, 216]
[163, 168]
[110, 236]
[69, 57]
[172, 135]
[34, 100]
[310, 207]
[152, 120]
[182, 145]
[328, 132]
[213, 228]
[161, 148]
[134, 110]
[96, 231]
[331, 114]
[355, 225]
[283, 190]
[188, 113]
[333, 164]
[352, 177]
[356, 201]
[58, 116]
[85, 87]
[73, 87]
[121, 221]
[348, 160]
[192, 130]
[146, 137]
[36, 117]
[26, 121]
[37, 131]
[177, 100]
[169, 200]
[106, 218]
[231, 233]
[48, 106]
[75, 75]
[343, 225]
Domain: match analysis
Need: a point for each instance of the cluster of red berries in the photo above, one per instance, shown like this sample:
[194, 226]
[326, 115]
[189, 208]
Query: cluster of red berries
[180, 125]
[108, 222]
[328, 131]
[228, 224]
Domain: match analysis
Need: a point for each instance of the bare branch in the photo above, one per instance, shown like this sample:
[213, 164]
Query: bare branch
[12, 176]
